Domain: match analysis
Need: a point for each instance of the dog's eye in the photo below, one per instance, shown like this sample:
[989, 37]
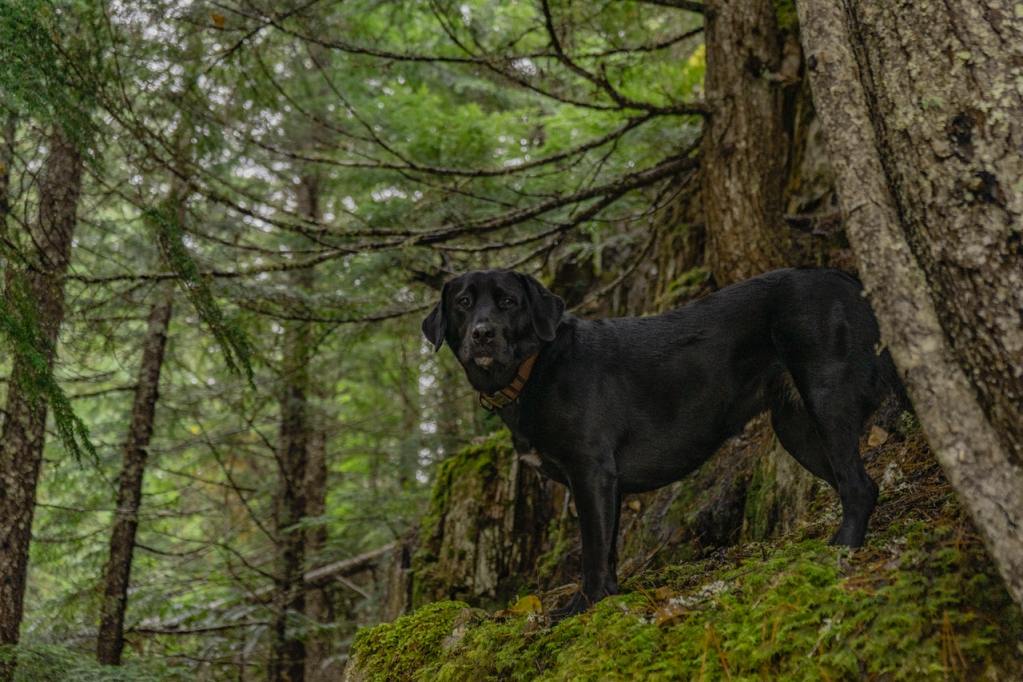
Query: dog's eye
[506, 302]
[463, 301]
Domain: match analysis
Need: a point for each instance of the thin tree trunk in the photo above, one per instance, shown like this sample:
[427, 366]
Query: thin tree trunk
[317, 598]
[110, 641]
[407, 391]
[288, 647]
[23, 436]
[6, 161]
[287, 654]
[930, 192]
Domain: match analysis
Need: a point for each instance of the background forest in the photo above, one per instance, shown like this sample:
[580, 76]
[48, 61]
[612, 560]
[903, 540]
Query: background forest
[225, 443]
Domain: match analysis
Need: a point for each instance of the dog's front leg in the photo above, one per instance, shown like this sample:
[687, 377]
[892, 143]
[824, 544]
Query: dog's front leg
[598, 501]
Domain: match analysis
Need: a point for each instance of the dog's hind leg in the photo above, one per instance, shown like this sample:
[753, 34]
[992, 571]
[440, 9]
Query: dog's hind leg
[821, 430]
[798, 434]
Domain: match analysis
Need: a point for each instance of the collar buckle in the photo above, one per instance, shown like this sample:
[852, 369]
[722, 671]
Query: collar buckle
[510, 393]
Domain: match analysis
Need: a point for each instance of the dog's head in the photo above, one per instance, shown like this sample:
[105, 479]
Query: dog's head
[493, 320]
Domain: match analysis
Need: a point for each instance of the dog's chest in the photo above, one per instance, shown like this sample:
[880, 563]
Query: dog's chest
[525, 448]
[511, 416]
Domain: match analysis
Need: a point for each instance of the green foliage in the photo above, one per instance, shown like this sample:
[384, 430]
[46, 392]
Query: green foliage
[19, 327]
[232, 340]
[60, 664]
[240, 109]
[785, 11]
[51, 80]
[926, 605]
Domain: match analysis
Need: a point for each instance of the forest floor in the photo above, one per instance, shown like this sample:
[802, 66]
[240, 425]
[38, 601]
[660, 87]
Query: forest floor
[920, 601]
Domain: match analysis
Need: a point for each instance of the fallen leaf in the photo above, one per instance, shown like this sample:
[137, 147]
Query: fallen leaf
[528, 604]
[878, 436]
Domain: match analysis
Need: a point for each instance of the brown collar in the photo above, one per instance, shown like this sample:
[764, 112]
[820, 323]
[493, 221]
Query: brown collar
[510, 393]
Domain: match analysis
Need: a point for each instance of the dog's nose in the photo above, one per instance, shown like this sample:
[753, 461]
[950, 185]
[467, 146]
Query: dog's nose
[483, 332]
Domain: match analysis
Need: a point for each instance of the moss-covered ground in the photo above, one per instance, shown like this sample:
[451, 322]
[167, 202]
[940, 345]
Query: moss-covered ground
[921, 601]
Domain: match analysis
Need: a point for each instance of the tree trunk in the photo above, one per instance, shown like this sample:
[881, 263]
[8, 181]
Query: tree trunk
[411, 417]
[110, 640]
[288, 648]
[287, 654]
[745, 142]
[24, 428]
[6, 161]
[925, 151]
[317, 598]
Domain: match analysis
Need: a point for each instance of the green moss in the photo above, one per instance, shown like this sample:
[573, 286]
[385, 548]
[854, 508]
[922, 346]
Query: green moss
[549, 561]
[476, 458]
[400, 650]
[923, 604]
[785, 12]
[759, 498]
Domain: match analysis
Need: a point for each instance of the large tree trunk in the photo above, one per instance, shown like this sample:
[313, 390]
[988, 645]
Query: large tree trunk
[759, 161]
[924, 118]
[24, 428]
[110, 640]
[767, 188]
[745, 141]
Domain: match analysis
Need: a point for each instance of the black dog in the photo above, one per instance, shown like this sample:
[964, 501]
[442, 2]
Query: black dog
[627, 405]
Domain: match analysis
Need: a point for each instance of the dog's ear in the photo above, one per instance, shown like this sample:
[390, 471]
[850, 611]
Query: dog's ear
[545, 308]
[435, 324]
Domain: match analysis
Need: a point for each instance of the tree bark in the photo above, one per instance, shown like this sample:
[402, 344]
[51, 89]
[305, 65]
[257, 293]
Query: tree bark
[317, 597]
[110, 640]
[6, 161]
[926, 156]
[24, 428]
[287, 653]
[745, 142]
[288, 645]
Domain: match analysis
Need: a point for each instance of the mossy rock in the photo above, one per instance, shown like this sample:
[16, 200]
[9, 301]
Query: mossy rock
[479, 539]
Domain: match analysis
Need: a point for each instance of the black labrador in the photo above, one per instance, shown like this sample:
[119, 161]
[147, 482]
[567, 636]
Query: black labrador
[627, 405]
